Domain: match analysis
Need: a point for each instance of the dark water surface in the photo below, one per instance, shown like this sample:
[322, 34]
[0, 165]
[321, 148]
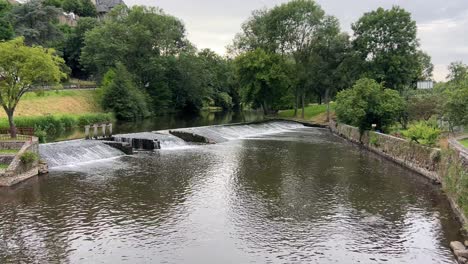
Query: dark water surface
[303, 196]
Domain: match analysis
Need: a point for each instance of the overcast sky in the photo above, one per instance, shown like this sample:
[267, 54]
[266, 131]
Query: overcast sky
[442, 23]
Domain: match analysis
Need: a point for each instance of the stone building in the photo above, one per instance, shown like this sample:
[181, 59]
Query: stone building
[105, 6]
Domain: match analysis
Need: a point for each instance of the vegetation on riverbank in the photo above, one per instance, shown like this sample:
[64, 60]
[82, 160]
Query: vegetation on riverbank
[52, 125]
[311, 113]
[60, 102]
[464, 142]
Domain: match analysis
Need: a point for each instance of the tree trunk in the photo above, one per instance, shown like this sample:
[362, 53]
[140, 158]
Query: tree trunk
[296, 104]
[327, 99]
[12, 124]
[303, 105]
[265, 108]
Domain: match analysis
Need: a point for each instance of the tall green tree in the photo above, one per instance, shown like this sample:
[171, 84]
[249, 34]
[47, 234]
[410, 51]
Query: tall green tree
[121, 96]
[455, 95]
[22, 67]
[148, 42]
[458, 72]
[387, 43]
[299, 30]
[6, 28]
[367, 103]
[36, 22]
[264, 79]
[74, 43]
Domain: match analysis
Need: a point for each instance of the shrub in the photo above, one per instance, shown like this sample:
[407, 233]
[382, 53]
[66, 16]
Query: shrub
[373, 139]
[41, 135]
[367, 103]
[29, 157]
[224, 100]
[423, 132]
[89, 119]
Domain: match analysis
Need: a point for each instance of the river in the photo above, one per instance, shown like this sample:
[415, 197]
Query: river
[300, 195]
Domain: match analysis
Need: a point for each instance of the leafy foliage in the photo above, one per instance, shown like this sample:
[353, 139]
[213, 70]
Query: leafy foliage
[74, 43]
[423, 104]
[122, 97]
[83, 8]
[6, 28]
[367, 103]
[36, 22]
[302, 31]
[22, 67]
[29, 157]
[423, 132]
[388, 47]
[455, 95]
[263, 78]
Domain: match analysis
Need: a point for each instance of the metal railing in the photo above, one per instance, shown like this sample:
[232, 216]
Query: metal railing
[65, 87]
[22, 134]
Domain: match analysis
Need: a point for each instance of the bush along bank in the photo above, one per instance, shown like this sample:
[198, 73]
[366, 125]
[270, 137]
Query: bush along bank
[51, 125]
[448, 166]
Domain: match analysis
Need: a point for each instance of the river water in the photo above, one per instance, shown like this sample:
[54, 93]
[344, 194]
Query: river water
[296, 196]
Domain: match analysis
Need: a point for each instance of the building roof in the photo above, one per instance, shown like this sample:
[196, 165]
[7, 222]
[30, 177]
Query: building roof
[104, 6]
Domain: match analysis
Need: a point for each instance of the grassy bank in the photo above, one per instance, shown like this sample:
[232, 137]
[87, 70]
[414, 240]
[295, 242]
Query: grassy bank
[313, 112]
[74, 102]
[464, 142]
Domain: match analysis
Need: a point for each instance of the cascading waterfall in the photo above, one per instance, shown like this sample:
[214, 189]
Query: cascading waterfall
[75, 152]
[218, 134]
[80, 151]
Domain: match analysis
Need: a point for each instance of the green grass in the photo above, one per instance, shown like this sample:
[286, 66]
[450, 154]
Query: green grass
[60, 120]
[464, 142]
[4, 166]
[311, 111]
[57, 102]
[9, 151]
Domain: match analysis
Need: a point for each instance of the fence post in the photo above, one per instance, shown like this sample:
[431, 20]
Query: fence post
[95, 134]
[103, 127]
[109, 129]
[87, 132]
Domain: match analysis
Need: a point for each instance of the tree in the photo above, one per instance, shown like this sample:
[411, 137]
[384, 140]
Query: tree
[426, 66]
[36, 22]
[288, 29]
[367, 103]
[263, 78]
[455, 95]
[388, 47]
[458, 72]
[22, 67]
[83, 8]
[121, 96]
[6, 28]
[74, 43]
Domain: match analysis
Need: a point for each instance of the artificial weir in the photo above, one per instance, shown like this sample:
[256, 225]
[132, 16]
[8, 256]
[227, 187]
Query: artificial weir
[77, 152]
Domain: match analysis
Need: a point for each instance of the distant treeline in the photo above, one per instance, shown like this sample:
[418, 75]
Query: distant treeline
[285, 57]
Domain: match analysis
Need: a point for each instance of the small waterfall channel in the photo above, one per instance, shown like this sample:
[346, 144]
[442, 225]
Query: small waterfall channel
[75, 152]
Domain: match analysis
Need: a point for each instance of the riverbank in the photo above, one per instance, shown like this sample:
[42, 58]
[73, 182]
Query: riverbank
[60, 102]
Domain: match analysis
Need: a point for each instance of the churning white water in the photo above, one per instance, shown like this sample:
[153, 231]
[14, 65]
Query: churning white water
[225, 133]
[75, 152]
[81, 151]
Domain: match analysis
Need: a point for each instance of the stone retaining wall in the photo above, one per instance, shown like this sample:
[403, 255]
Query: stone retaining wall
[18, 171]
[422, 159]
